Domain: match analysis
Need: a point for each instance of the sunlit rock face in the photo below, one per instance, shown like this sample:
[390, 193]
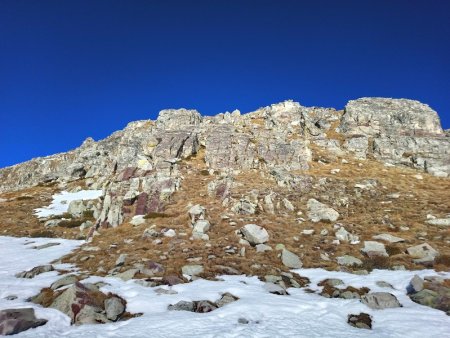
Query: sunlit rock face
[138, 167]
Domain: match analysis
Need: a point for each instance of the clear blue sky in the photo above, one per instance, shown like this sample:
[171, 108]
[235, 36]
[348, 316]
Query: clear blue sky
[73, 69]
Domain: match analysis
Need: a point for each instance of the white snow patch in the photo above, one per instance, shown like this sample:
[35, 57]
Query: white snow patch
[61, 201]
[299, 315]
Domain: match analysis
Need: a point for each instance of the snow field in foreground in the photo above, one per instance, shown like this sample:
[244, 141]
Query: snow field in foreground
[61, 201]
[299, 315]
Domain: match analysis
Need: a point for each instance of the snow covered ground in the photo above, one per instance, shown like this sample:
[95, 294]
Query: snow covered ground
[299, 315]
[61, 202]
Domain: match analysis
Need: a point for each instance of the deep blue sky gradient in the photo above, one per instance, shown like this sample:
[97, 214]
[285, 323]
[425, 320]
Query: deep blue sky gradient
[73, 69]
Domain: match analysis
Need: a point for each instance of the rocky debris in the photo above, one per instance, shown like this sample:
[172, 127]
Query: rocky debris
[13, 321]
[254, 234]
[330, 290]
[380, 300]
[318, 212]
[197, 212]
[422, 253]
[372, 248]
[203, 306]
[192, 270]
[35, 271]
[388, 238]
[344, 236]
[433, 292]
[84, 304]
[64, 281]
[348, 260]
[290, 259]
[440, 222]
[360, 321]
[286, 280]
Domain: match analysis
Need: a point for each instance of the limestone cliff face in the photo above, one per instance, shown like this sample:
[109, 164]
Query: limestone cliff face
[138, 167]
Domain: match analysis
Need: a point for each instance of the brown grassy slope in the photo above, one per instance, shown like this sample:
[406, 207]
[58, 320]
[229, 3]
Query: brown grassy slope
[372, 213]
[366, 213]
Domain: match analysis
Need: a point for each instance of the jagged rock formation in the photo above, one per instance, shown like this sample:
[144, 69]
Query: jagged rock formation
[138, 167]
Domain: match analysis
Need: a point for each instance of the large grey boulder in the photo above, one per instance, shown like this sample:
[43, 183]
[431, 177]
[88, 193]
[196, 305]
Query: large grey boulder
[380, 300]
[318, 212]
[376, 115]
[84, 304]
[254, 234]
[114, 307]
[422, 253]
[175, 119]
[440, 222]
[13, 321]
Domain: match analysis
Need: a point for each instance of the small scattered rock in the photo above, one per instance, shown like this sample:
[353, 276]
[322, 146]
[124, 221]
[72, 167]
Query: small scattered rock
[263, 248]
[192, 270]
[388, 238]
[422, 253]
[349, 261]
[291, 260]
[372, 248]
[380, 300]
[415, 285]
[35, 271]
[320, 212]
[137, 220]
[361, 321]
[121, 260]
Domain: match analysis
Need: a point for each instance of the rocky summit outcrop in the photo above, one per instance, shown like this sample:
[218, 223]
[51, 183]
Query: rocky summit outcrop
[138, 168]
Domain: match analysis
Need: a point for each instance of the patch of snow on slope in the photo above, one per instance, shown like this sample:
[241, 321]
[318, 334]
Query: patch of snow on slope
[299, 315]
[61, 202]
